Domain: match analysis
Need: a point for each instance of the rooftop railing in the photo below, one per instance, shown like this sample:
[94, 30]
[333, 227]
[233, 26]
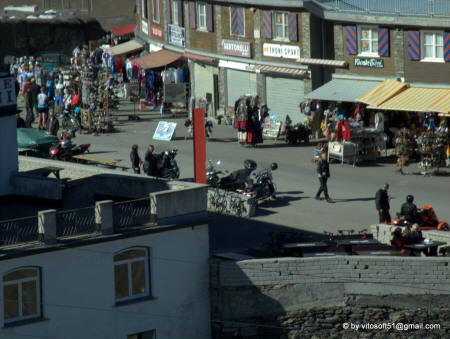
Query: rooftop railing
[425, 8]
[16, 231]
[75, 222]
[131, 213]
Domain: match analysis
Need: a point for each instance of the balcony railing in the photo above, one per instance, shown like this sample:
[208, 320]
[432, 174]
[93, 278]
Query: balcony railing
[75, 222]
[131, 213]
[16, 231]
[425, 8]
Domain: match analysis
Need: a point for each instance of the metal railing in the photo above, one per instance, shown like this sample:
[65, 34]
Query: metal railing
[75, 222]
[426, 8]
[17, 231]
[131, 213]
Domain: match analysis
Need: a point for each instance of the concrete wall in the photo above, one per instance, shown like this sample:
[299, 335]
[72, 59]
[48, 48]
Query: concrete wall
[36, 186]
[78, 290]
[8, 152]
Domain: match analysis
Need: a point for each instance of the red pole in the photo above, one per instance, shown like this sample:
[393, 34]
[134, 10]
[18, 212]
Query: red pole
[198, 117]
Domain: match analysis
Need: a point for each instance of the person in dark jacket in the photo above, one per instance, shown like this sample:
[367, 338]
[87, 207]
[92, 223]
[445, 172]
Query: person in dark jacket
[382, 204]
[150, 162]
[29, 117]
[52, 124]
[323, 172]
[20, 121]
[135, 159]
[409, 209]
[34, 94]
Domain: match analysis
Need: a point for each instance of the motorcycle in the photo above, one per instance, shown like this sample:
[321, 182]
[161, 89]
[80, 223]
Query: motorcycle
[167, 165]
[427, 220]
[64, 149]
[263, 188]
[296, 133]
[234, 181]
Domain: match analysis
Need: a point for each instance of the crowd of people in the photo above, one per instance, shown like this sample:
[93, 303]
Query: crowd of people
[249, 120]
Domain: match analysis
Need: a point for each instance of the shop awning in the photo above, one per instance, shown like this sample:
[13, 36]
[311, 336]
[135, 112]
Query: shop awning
[281, 70]
[382, 92]
[416, 100]
[323, 62]
[443, 105]
[158, 59]
[198, 57]
[125, 48]
[345, 90]
[118, 31]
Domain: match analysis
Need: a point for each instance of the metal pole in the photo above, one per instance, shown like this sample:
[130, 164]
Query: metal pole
[198, 117]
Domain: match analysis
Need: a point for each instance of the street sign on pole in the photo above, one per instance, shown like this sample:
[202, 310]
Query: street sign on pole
[198, 117]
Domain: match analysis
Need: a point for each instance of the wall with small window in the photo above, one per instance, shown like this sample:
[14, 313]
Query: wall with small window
[368, 49]
[125, 288]
[202, 21]
[427, 55]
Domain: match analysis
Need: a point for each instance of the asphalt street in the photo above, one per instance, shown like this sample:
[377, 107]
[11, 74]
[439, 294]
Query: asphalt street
[352, 188]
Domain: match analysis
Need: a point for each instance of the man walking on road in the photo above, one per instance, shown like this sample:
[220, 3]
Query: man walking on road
[323, 172]
[382, 204]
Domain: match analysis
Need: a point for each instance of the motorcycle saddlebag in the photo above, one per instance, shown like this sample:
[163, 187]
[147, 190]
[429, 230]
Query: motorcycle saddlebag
[250, 164]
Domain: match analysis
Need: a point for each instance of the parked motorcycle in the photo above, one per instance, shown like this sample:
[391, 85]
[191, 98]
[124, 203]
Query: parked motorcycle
[167, 165]
[64, 149]
[264, 187]
[427, 220]
[233, 181]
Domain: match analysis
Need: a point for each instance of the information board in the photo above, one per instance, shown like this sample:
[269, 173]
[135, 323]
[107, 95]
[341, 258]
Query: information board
[271, 128]
[165, 131]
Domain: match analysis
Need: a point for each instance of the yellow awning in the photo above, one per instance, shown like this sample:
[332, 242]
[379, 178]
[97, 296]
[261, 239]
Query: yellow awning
[443, 105]
[382, 92]
[414, 100]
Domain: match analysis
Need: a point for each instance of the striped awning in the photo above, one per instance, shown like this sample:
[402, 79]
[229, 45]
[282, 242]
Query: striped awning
[443, 105]
[414, 100]
[281, 70]
[382, 92]
[323, 62]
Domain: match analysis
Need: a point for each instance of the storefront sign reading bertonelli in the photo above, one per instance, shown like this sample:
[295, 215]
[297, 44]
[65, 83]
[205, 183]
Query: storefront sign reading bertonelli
[369, 62]
[236, 48]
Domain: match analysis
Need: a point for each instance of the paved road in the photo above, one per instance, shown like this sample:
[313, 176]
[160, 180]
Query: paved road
[353, 189]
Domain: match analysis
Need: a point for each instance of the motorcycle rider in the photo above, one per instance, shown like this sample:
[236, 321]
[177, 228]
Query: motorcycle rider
[323, 172]
[409, 209]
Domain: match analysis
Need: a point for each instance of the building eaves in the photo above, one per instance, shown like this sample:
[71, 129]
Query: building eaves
[264, 3]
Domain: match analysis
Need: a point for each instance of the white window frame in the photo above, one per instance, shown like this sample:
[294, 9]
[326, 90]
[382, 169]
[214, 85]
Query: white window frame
[155, 4]
[231, 32]
[422, 46]
[144, 8]
[283, 23]
[174, 12]
[201, 12]
[129, 274]
[371, 29]
[19, 282]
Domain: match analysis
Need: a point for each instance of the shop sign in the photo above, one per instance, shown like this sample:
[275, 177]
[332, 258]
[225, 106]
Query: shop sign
[7, 96]
[281, 51]
[236, 65]
[369, 62]
[176, 35]
[236, 48]
[157, 32]
[144, 27]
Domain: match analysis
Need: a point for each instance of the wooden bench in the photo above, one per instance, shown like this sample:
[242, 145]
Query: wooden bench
[98, 161]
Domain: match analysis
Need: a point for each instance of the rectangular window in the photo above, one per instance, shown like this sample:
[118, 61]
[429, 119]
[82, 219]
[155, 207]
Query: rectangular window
[432, 46]
[145, 9]
[368, 41]
[201, 13]
[156, 11]
[131, 274]
[21, 293]
[237, 21]
[280, 25]
[174, 5]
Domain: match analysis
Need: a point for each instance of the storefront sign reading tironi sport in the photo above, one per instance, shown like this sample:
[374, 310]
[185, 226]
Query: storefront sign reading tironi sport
[369, 62]
[236, 48]
[281, 51]
[176, 35]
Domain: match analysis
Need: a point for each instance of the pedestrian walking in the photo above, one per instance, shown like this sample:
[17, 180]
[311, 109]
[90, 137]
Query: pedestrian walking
[323, 172]
[135, 159]
[42, 105]
[382, 204]
[150, 162]
[35, 92]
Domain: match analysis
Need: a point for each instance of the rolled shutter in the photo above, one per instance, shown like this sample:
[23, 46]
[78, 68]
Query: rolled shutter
[351, 40]
[267, 24]
[292, 27]
[209, 18]
[180, 12]
[192, 15]
[414, 45]
[383, 42]
[237, 20]
[447, 46]
[168, 12]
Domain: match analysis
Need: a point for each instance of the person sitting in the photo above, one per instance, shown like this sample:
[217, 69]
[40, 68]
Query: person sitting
[398, 240]
[409, 209]
[52, 124]
[414, 236]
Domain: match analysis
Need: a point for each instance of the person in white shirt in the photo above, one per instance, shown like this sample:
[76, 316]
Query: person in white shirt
[42, 104]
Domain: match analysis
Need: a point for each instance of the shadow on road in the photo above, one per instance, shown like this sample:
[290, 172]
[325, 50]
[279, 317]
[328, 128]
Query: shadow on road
[222, 139]
[281, 201]
[353, 199]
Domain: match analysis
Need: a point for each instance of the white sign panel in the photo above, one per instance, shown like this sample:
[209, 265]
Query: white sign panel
[176, 35]
[144, 26]
[236, 65]
[165, 131]
[281, 51]
[7, 92]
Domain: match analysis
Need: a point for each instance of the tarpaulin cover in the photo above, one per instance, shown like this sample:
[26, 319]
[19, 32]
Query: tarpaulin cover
[35, 140]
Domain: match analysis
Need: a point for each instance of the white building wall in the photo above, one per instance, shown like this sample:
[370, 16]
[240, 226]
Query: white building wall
[78, 290]
[8, 152]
